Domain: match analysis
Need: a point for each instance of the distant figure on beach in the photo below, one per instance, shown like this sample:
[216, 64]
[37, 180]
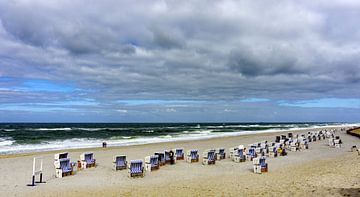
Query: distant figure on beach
[104, 144]
[171, 155]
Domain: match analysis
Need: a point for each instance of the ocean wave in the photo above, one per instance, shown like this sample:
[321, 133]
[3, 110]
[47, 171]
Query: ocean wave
[8, 145]
[6, 141]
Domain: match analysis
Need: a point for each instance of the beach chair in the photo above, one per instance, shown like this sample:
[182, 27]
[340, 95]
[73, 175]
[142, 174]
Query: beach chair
[256, 165]
[136, 168]
[63, 168]
[152, 163]
[331, 142]
[87, 160]
[167, 156]
[353, 148]
[294, 146]
[192, 156]
[220, 153]
[304, 144]
[251, 154]
[63, 155]
[337, 143]
[263, 164]
[239, 156]
[209, 157]
[119, 162]
[161, 156]
[272, 151]
[232, 152]
[179, 152]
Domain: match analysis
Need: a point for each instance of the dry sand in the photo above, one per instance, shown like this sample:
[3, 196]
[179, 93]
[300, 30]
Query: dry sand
[319, 171]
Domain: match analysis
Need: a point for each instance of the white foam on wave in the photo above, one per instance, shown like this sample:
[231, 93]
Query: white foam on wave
[6, 141]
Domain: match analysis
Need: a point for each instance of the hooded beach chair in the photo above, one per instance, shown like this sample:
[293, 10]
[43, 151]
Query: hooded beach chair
[63, 155]
[209, 157]
[119, 162]
[167, 156]
[192, 156]
[232, 152]
[220, 153]
[272, 151]
[260, 165]
[251, 154]
[87, 160]
[152, 163]
[63, 167]
[161, 157]
[136, 168]
[239, 155]
[179, 153]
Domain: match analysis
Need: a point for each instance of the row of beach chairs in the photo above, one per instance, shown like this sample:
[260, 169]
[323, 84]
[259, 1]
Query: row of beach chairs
[256, 153]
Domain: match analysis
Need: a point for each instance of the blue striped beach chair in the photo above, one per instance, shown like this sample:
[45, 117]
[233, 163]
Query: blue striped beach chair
[152, 163]
[161, 156]
[63, 167]
[87, 160]
[192, 156]
[136, 168]
[119, 162]
[179, 153]
[209, 157]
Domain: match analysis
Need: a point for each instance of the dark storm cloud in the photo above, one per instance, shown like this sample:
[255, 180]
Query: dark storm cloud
[179, 50]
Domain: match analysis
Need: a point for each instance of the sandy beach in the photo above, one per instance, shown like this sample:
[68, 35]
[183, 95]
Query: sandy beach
[318, 171]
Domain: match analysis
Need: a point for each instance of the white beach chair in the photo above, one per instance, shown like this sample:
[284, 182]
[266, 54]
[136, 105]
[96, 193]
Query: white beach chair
[152, 163]
[239, 156]
[192, 156]
[232, 152]
[87, 160]
[208, 157]
[272, 151]
[119, 162]
[161, 156]
[294, 146]
[136, 168]
[304, 144]
[63, 167]
[220, 153]
[251, 154]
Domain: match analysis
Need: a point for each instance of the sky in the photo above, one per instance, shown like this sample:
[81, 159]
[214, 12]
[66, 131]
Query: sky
[179, 61]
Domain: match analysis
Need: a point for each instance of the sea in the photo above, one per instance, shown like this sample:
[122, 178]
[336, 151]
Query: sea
[34, 137]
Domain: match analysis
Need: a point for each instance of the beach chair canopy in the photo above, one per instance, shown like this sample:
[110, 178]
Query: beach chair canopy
[61, 156]
[135, 166]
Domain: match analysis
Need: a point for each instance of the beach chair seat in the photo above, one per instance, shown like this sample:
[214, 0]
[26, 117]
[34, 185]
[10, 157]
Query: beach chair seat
[119, 162]
[161, 157]
[220, 153]
[152, 163]
[179, 153]
[136, 168]
[192, 156]
[87, 160]
[63, 168]
[209, 157]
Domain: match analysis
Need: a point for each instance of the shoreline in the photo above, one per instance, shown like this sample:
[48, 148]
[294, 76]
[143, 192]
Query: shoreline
[245, 134]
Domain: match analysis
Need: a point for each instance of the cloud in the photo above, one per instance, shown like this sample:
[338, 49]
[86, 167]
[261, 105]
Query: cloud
[172, 51]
